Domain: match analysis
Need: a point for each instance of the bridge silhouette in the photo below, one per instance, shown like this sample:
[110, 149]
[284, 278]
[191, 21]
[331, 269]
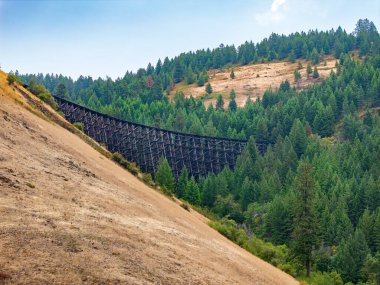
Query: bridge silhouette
[145, 145]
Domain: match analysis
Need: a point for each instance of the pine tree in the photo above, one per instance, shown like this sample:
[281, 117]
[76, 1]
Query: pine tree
[305, 221]
[178, 72]
[209, 191]
[232, 106]
[250, 193]
[164, 176]
[298, 137]
[376, 231]
[208, 88]
[61, 91]
[278, 220]
[351, 256]
[192, 194]
[219, 103]
[315, 72]
[190, 79]
[308, 70]
[366, 223]
[314, 56]
[368, 121]
[232, 74]
[292, 57]
[182, 183]
[297, 75]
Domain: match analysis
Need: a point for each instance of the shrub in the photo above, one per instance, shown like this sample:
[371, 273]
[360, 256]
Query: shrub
[11, 78]
[79, 126]
[130, 166]
[41, 92]
[186, 206]
[277, 255]
[147, 178]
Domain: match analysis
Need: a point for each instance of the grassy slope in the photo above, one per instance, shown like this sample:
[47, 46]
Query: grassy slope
[71, 216]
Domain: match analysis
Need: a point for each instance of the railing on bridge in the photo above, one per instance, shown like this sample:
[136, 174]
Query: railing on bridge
[144, 145]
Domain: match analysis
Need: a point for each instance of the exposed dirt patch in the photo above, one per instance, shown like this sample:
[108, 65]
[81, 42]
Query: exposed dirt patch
[68, 215]
[251, 81]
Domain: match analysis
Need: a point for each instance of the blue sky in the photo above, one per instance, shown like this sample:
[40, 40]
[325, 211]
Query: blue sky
[107, 38]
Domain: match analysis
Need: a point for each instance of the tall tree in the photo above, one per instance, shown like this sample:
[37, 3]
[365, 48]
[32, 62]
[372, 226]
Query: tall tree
[219, 103]
[351, 256]
[305, 233]
[315, 72]
[192, 194]
[298, 137]
[182, 183]
[61, 91]
[232, 106]
[164, 175]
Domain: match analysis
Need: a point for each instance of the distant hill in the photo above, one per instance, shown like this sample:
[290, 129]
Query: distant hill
[251, 81]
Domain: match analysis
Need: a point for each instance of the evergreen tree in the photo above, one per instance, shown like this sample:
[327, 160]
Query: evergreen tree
[182, 183]
[190, 79]
[279, 220]
[164, 176]
[308, 70]
[292, 57]
[315, 72]
[232, 74]
[314, 56]
[232, 106]
[61, 91]
[219, 103]
[208, 88]
[305, 220]
[368, 121]
[209, 191]
[178, 72]
[192, 194]
[201, 80]
[376, 231]
[366, 224]
[250, 193]
[298, 137]
[297, 75]
[351, 256]
[372, 268]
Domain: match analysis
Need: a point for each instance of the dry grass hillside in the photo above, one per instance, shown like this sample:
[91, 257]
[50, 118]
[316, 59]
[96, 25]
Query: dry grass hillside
[69, 215]
[252, 80]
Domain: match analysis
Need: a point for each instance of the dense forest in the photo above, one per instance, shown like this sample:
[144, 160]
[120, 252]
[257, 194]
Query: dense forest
[311, 203]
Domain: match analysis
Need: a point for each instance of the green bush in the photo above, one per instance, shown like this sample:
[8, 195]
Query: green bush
[147, 178]
[11, 78]
[79, 126]
[186, 206]
[130, 166]
[318, 278]
[41, 92]
[277, 255]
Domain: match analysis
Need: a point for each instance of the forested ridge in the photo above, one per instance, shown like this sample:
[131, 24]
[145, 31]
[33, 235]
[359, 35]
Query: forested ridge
[311, 203]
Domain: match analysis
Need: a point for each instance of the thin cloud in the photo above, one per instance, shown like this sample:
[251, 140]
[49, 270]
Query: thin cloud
[275, 14]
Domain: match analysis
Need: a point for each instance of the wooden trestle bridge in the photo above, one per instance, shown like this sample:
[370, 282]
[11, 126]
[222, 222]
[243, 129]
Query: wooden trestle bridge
[145, 145]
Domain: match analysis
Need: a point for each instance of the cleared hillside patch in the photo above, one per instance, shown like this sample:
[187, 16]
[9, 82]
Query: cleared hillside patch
[251, 81]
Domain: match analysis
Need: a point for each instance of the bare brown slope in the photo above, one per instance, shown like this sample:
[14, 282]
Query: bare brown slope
[252, 80]
[68, 215]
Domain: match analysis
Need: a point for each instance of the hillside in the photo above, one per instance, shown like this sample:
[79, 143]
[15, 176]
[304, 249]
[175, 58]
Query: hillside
[252, 80]
[72, 216]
